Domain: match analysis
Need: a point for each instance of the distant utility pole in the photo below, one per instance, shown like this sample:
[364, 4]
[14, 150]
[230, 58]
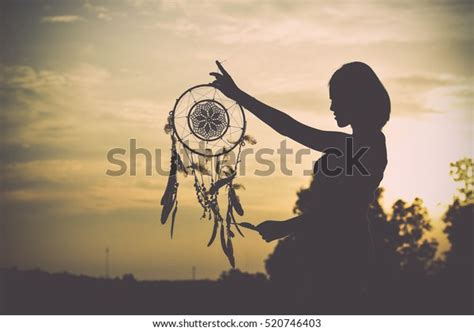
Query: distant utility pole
[107, 262]
[194, 273]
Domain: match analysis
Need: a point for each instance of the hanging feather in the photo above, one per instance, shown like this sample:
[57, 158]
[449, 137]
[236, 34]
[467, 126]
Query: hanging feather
[201, 168]
[223, 241]
[214, 233]
[173, 217]
[248, 226]
[221, 182]
[230, 252]
[218, 167]
[171, 179]
[227, 170]
[227, 247]
[238, 229]
[169, 196]
[238, 186]
[235, 202]
[168, 129]
[249, 139]
[199, 194]
[180, 165]
[168, 206]
[230, 218]
[213, 208]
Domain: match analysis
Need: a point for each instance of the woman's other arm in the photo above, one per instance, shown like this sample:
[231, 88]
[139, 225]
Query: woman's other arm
[272, 230]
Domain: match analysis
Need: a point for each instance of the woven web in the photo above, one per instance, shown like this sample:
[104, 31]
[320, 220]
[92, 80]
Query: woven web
[208, 120]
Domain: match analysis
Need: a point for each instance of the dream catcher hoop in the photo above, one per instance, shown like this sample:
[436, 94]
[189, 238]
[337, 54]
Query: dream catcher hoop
[206, 122]
[211, 130]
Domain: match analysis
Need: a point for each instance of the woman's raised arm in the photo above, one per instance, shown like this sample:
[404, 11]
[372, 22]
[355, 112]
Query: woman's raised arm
[282, 123]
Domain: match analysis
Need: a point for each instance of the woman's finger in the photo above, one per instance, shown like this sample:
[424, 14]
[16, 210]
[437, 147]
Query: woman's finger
[216, 75]
[221, 68]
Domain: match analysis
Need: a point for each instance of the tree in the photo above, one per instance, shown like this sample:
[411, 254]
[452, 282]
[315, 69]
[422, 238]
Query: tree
[385, 236]
[235, 275]
[129, 278]
[401, 240]
[415, 250]
[457, 275]
[462, 171]
[458, 219]
[285, 264]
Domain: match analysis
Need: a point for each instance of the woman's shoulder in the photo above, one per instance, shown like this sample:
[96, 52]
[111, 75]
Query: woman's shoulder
[374, 147]
[373, 140]
[371, 137]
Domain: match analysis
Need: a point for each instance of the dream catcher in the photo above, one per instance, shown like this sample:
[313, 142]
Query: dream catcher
[210, 128]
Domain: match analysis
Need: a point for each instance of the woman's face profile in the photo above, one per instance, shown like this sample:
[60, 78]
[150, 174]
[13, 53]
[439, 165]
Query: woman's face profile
[341, 109]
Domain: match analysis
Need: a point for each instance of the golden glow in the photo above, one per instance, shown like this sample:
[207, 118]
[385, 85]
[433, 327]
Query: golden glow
[87, 78]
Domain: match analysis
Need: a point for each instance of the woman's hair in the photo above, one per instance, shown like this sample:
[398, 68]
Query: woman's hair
[359, 85]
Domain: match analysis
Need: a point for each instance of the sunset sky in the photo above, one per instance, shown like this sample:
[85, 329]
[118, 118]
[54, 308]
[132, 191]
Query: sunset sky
[78, 78]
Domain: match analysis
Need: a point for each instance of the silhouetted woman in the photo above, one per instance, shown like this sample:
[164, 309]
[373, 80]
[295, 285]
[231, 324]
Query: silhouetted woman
[335, 232]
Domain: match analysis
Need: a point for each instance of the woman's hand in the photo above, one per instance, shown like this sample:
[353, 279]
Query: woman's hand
[271, 230]
[225, 83]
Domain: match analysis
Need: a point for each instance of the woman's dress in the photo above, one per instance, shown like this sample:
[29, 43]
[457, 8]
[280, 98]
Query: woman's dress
[336, 240]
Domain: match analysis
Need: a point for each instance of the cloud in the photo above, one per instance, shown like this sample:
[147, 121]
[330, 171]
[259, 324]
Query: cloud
[180, 27]
[419, 93]
[456, 98]
[61, 19]
[101, 12]
[27, 78]
[294, 23]
[42, 111]
[424, 80]
[22, 153]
